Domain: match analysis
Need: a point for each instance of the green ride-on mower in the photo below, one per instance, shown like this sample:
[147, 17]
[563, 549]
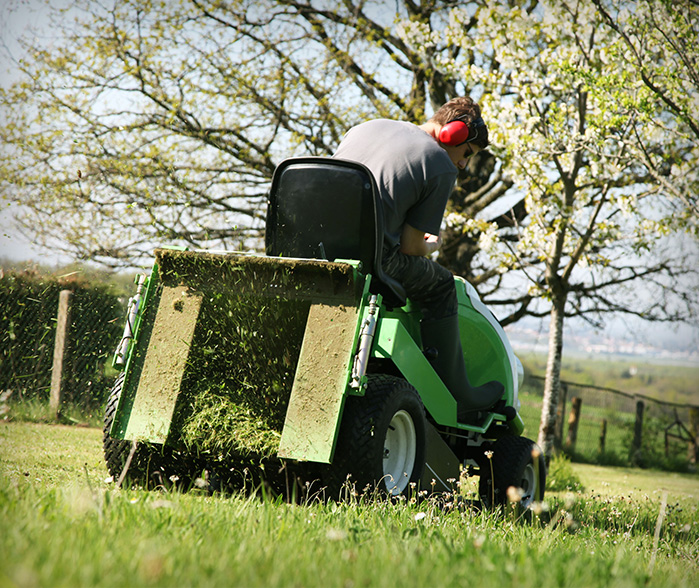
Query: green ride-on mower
[304, 367]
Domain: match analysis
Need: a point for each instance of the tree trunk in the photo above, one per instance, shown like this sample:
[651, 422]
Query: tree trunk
[552, 386]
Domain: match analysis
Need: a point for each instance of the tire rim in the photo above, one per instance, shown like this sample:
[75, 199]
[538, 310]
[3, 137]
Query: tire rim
[528, 484]
[399, 450]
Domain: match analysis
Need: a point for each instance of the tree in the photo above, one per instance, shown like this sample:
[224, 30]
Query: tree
[163, 122]
[605, 154]
[659, 42]
[151, 122]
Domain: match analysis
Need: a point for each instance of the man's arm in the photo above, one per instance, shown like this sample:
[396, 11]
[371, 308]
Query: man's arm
[416, 242]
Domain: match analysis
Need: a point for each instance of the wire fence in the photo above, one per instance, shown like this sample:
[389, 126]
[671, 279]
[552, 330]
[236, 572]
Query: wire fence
[608, 426]
[28, 319]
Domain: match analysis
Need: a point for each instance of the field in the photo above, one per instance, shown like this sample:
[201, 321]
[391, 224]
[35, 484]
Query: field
[665, 381]
[63, 523]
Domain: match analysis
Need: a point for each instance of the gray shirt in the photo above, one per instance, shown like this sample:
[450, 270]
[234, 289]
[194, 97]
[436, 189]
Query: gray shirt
[415, 176]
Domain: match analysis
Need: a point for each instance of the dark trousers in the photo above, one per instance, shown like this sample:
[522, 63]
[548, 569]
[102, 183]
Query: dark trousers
[432, 287]
[426, 283]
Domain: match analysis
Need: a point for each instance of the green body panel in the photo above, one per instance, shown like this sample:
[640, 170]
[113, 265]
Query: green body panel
[322, 374]
[134, 362]
[485, 355]
[164, 365]
[487, 352]
[394, 342]
[516, 425]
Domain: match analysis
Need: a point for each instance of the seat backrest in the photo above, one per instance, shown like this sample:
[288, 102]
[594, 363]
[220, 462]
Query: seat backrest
[327, 208]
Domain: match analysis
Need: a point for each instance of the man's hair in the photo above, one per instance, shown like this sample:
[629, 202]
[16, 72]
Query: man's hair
[463, 108]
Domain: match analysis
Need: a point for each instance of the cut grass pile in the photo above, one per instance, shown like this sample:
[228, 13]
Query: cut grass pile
[62, 524]
[219, 426]
[237, 380]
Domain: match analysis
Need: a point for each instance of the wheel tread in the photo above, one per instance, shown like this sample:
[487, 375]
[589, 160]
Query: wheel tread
[510, 455]
[357, 451]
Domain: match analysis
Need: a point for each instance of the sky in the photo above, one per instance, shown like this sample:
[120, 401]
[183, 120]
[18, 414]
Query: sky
[16, 19]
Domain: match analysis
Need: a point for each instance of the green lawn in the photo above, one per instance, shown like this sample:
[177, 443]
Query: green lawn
[638, 483]
[63, 523]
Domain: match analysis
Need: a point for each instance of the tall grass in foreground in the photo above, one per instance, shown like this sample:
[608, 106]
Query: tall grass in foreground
[62, 524]
[77, 536]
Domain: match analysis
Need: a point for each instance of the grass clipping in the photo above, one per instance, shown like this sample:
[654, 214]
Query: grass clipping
[240, 370]
[219, 426]
[240, 374]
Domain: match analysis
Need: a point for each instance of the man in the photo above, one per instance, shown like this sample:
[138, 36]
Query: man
[415, 169]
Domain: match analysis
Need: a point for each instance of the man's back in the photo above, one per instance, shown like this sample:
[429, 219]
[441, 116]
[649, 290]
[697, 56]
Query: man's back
[414, 174]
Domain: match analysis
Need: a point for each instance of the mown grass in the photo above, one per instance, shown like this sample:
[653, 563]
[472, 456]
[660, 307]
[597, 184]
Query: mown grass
[62, 523]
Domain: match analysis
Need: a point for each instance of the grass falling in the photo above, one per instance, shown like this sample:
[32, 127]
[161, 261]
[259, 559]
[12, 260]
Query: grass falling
[240, 369]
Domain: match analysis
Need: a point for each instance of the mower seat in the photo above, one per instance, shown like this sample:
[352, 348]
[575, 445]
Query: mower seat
[327, 208]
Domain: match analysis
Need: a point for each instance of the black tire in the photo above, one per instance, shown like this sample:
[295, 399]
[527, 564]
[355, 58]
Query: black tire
[516, 462]
[381, 444]
[151, 466]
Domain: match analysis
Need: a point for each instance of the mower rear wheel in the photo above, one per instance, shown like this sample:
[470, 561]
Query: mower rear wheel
[382, 440]
[151, 466]
[516, 462]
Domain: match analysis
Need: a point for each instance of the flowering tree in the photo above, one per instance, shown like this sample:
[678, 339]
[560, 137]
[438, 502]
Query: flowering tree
[604, 151]
[149, 122]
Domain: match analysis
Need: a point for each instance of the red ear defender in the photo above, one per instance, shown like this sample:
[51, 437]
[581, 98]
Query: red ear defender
[454, 133]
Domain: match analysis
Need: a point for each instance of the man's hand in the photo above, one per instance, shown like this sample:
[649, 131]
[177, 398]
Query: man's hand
[433, 242]
[416, 242]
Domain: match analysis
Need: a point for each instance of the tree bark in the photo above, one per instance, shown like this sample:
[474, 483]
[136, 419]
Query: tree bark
[547, 426]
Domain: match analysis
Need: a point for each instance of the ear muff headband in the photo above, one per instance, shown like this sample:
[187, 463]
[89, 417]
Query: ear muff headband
[457, 132]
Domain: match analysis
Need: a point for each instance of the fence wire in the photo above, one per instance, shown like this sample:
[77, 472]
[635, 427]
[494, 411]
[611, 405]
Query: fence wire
[28, 311]
[617, 427]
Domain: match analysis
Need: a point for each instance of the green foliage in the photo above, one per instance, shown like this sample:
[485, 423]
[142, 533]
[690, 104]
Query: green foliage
[121, 537]
[27, 333]
[176, 125]
[587, 134]
[561, 477]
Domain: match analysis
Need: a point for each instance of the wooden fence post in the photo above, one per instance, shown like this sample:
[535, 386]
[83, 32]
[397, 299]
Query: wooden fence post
[637, 434]
[560, 416]
[693, 445]
[603, 436]
[573, 421]
[60, 351]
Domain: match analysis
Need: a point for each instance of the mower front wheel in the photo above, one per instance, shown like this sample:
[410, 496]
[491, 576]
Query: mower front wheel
[382, 440]
[513, 462]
